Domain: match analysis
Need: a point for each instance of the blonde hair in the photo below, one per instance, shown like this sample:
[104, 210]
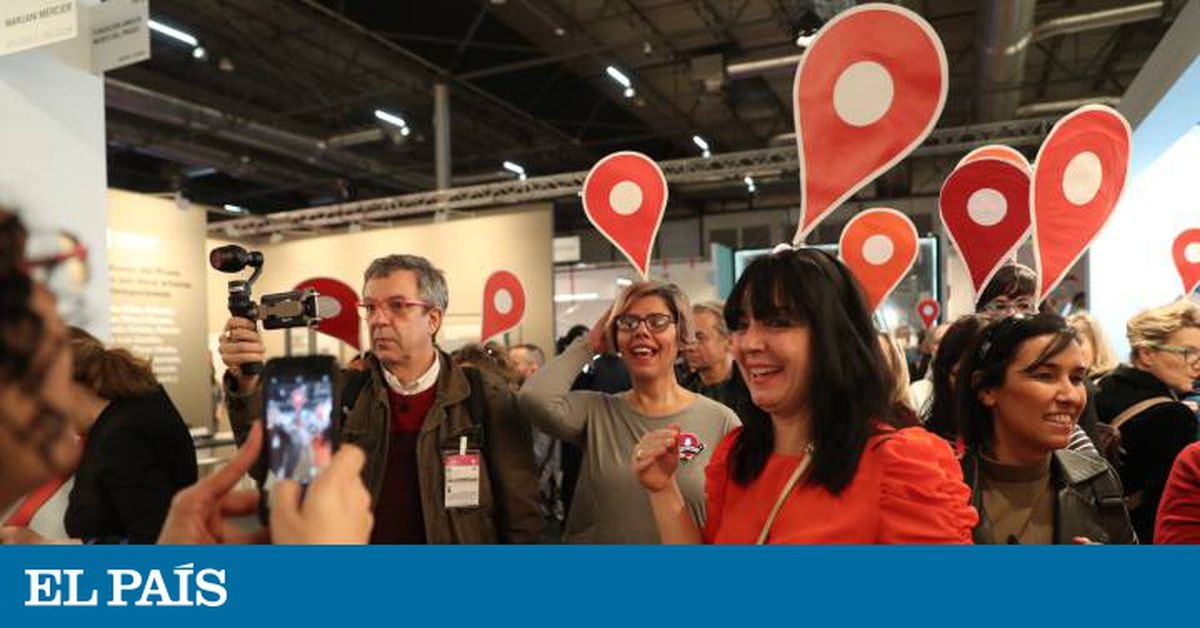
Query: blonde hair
[897, 369]
[677, 302]
[111, 373]
[1104, 359]
[1149, 329]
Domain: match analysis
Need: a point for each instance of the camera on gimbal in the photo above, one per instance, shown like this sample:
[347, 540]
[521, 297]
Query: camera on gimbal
[296, 308]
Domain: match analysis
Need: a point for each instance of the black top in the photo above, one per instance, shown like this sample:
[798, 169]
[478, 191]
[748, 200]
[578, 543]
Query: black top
[731, 392]
[1150, 441]
[137, 455]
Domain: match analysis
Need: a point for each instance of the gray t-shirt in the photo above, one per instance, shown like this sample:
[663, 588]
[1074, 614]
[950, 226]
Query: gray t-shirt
[610, 505]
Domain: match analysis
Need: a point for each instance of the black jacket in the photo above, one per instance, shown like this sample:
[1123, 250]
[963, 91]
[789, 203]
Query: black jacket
[1089, 500]
[1150, 441]
[137, 455]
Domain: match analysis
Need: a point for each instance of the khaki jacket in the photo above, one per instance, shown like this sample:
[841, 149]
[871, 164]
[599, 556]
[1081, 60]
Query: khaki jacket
[508, 502]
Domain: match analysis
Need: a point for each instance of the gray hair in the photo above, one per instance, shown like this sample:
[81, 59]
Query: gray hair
[431, 283]
[717, 309]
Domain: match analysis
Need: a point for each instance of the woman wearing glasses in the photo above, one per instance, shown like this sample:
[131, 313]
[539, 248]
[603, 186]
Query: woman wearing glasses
[1140, 401]
[647, 326]
[1021, 391]
[823, 458]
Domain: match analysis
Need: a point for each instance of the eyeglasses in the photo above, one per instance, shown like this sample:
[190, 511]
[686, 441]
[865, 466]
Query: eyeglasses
[998, 307]
[1191, 355]
[393, 307]
[654, 322]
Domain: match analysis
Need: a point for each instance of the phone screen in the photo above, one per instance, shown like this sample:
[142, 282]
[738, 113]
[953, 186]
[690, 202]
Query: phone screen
[299, 422]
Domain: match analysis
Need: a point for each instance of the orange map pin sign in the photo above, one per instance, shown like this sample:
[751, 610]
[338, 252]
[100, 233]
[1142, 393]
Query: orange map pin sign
[624, 196]
[503, 304]
[879, 246]
[1077, 180]
[1186, 251]
[868, 90]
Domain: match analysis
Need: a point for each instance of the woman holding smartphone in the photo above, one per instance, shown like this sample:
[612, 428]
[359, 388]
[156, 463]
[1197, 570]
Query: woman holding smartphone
[824, 459]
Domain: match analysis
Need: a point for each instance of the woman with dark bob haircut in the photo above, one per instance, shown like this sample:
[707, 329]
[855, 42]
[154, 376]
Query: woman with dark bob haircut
[822, 459]
[1020, 393]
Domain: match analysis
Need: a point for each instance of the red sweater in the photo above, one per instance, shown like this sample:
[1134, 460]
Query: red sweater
[398, 515]
[1178, 521]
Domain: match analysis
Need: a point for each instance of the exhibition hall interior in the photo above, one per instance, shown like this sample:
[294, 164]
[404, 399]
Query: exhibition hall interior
[181, 167]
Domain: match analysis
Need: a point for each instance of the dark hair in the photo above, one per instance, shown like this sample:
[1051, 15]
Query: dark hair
[490, 357]
[847, 375]
[1012, 281]
[573, 333]
[988, 359]
[942, 411]
[20, 326]
[110, 373]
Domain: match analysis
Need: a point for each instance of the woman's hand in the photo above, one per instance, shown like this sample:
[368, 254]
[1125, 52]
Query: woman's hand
[656, 458]
[597, 338]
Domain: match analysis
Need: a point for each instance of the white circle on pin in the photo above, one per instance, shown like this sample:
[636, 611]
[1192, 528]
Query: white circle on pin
[503, 301]
[625, 198]
[1191, 253]
[1082, 178]
[928, 310]
[863, 93]
[878, 250]
[987, 207]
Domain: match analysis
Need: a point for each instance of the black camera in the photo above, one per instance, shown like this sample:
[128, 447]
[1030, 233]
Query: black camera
[296, 308]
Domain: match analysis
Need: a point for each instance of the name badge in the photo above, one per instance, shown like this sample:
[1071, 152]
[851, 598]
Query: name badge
[461, 470]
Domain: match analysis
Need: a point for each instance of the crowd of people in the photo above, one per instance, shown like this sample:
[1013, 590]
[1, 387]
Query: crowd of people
[783, 415]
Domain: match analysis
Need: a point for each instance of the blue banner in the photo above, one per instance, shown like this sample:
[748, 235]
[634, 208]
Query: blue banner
[554, 586]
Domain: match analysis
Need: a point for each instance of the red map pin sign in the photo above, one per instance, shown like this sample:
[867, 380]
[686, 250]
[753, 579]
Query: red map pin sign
[1077, 180]
[985, 207]
[624, 196]
[997, 151]
[928, 310]
[503, 304]
[879, 246]
[1186, 252]
[869, 88]
[343, 324]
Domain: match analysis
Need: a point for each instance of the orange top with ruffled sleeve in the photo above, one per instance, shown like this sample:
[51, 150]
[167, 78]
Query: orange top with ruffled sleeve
[908, 489]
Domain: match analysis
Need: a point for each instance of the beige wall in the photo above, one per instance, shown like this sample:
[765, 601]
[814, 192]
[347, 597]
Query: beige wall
[466, 249]
[157, 290]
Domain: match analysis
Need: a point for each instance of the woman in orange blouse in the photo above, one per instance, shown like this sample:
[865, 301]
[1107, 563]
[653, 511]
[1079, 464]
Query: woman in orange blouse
[823, 459]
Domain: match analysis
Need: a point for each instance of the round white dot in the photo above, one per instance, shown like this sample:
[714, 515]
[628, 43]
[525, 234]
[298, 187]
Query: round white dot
[625, 198]
[503, 301]
[863, 93]
[928, 310]
[987, 207]
[878, 249]
[1191, 253]
[1082, 178]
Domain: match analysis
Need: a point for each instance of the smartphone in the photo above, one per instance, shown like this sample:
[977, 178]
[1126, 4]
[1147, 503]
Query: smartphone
[299, 398]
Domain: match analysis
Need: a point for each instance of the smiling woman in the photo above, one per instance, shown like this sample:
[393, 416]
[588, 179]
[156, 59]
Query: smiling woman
[1020, 395]
[647, 326]
[822, 458]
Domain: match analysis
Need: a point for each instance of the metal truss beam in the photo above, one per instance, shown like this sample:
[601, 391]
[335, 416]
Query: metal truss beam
[731, 167]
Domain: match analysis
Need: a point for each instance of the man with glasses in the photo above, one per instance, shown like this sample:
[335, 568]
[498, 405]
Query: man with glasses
[1141, 402]
[447, 459]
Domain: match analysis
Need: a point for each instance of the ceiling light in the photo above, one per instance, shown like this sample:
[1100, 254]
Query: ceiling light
[749, 180]
[560, 31]
[173, 33]
[629, 93]
[391, 118]
[618, 76]
[234, 209]
[804, 41]
[516, 169]
[199, 52]
[699, 141]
